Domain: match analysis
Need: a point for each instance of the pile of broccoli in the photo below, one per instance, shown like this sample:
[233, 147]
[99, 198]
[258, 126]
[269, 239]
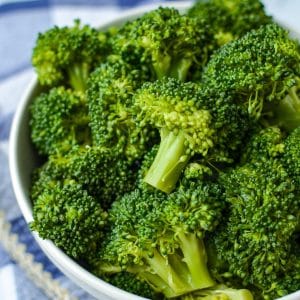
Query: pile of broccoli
[169, 149]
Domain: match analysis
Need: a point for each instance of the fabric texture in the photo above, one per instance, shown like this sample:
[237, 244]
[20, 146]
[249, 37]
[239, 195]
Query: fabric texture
[25, 272]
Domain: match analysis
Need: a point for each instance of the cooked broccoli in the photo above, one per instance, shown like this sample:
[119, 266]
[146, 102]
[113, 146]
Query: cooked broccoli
[105, 175]
[110, 91]
[230, 19]
[191, 121]
[170, 151]
[67, 55]
[66, 214]
[255, 239]
[264, 144]
[130, 283]
[165, 42]
[159, 237]
[291, 156]
[257, 69]
[59, 120]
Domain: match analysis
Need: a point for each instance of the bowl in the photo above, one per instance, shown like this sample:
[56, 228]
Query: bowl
[23, 159]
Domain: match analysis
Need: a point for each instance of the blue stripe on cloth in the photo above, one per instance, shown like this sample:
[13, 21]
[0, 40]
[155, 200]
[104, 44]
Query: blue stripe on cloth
[12, 7]
[86, 3]
[4, 258]
[20, 227]
[5, 124]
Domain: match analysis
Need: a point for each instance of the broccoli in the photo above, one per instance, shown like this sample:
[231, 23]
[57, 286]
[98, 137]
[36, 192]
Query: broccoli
[159, 237]
[59, 120]
[219, 292]
[255, 238]
[230, 19]
[67, 55]
[67, 215]
[130, 283]
[257, 69]
[105, 175]
[191, 121]
[264, 144]
[110, 91]
[291, 155]
[170, 151]
[165, 42]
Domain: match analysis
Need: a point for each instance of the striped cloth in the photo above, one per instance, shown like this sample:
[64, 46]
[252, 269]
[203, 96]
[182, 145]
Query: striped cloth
[25, 272]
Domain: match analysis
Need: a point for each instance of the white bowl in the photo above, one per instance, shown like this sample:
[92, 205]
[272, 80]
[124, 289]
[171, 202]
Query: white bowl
[23, 159]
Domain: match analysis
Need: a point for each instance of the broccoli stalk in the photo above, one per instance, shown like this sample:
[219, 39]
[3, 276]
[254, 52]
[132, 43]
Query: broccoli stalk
[219, 292]
[287, 113]
[178, 274]
[169, 162]
[78, 74]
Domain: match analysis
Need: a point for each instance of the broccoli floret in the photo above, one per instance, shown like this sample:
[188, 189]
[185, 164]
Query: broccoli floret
[113, 124]
[165, 42]
[67, 55]
[159, 237]
[291, 156]
[216, 14]
[219, 292]
[230, 19]
[105, 175]
[255, 239]
[290, 280]
[66, 214]
[265, 144]
[257, 69]
[191, 121]
[130, 283]
[59, 120]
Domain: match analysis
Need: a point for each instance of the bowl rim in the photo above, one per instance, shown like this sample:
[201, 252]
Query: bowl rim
[56, 255]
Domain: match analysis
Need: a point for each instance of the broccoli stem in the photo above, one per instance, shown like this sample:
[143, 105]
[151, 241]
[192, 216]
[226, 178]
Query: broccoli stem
[194, 253]
[170, 160]
[161, 65]
[78, 75]
[180, 68]
[288, 110]
[168, 274]
[176, 275]
[156, 283]
[219, 292]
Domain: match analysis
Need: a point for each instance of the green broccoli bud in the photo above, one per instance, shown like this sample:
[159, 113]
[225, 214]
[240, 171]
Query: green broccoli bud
[105, 175]
[67, 215]
[59, 120]
[67, 55]
[257, 69]
[113, 124]
[165, 42]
